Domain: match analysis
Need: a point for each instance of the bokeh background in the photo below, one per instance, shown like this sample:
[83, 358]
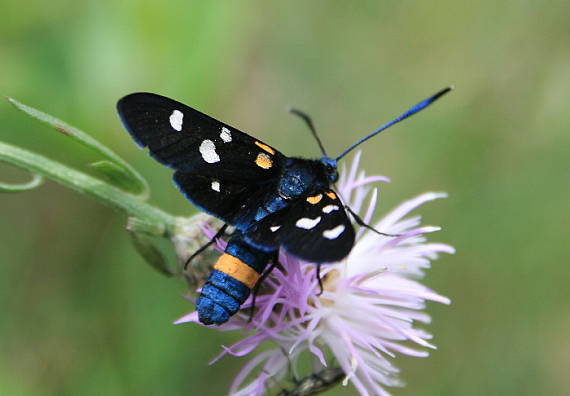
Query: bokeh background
[80, 312]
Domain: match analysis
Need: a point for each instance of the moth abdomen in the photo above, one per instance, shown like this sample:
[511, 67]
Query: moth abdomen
[221, 297]
[230, 283]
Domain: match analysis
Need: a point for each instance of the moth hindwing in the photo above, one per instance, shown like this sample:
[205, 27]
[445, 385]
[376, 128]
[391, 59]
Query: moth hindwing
[314, 228]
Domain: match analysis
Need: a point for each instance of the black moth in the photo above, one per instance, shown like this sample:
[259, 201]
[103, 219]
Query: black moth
[273, 201]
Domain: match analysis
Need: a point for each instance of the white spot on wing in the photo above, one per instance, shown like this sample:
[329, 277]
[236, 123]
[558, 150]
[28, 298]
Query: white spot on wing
[226, 135]
[330, 208]
[307, 223]
[176, 120]
[334, 232]
[208, 151]
[274, 228]
[216, 186]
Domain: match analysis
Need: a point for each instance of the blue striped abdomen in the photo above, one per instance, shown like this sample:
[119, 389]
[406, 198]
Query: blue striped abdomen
[229, 284]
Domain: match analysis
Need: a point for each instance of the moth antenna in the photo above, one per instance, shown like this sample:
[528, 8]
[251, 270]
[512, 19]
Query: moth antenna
[411, 111]
[361, 222]
[305, 117]
[320, 279]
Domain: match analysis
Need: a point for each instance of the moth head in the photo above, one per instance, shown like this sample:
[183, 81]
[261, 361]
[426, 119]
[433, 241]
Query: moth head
[329, 165]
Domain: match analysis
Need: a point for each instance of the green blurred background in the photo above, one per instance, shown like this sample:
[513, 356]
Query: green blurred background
[81, 314]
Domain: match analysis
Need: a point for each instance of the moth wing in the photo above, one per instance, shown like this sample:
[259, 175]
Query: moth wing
[314, 228]
[221, 198]
[187, 140]
[265, 234]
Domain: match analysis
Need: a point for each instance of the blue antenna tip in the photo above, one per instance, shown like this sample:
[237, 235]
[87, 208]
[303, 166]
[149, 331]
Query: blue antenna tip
[411, 111]
[442, 92]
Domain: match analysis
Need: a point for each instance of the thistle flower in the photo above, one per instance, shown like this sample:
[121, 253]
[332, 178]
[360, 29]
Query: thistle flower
[366, 313]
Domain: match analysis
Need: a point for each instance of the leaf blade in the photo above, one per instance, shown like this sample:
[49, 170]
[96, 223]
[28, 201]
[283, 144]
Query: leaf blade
[137, 184]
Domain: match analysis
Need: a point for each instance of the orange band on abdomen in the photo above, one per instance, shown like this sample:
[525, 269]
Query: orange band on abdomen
[237, 269]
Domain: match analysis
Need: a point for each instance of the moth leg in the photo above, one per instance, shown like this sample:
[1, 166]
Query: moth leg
[319, 279]
[361, 223]
[206, 246]
[255, 291]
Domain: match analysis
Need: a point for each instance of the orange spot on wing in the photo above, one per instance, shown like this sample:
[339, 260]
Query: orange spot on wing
[265, 147]
[237, 269]
[315, 199]
[331, 195]
[264, 161]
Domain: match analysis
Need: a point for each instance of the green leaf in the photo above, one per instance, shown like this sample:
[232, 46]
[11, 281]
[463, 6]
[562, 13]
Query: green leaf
[136, 185]
[36, 181]
[115, 175]
[146, 247]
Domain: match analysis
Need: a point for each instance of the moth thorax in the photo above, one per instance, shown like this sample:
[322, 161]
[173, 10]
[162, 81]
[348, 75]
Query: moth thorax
[298, 178]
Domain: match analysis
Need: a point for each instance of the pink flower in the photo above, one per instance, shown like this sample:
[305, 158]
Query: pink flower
[366, 314]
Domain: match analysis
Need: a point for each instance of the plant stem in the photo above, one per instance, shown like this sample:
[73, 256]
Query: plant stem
[88, 185]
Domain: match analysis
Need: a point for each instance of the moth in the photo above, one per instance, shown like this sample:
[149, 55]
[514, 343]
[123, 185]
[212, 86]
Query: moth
[273, 201]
